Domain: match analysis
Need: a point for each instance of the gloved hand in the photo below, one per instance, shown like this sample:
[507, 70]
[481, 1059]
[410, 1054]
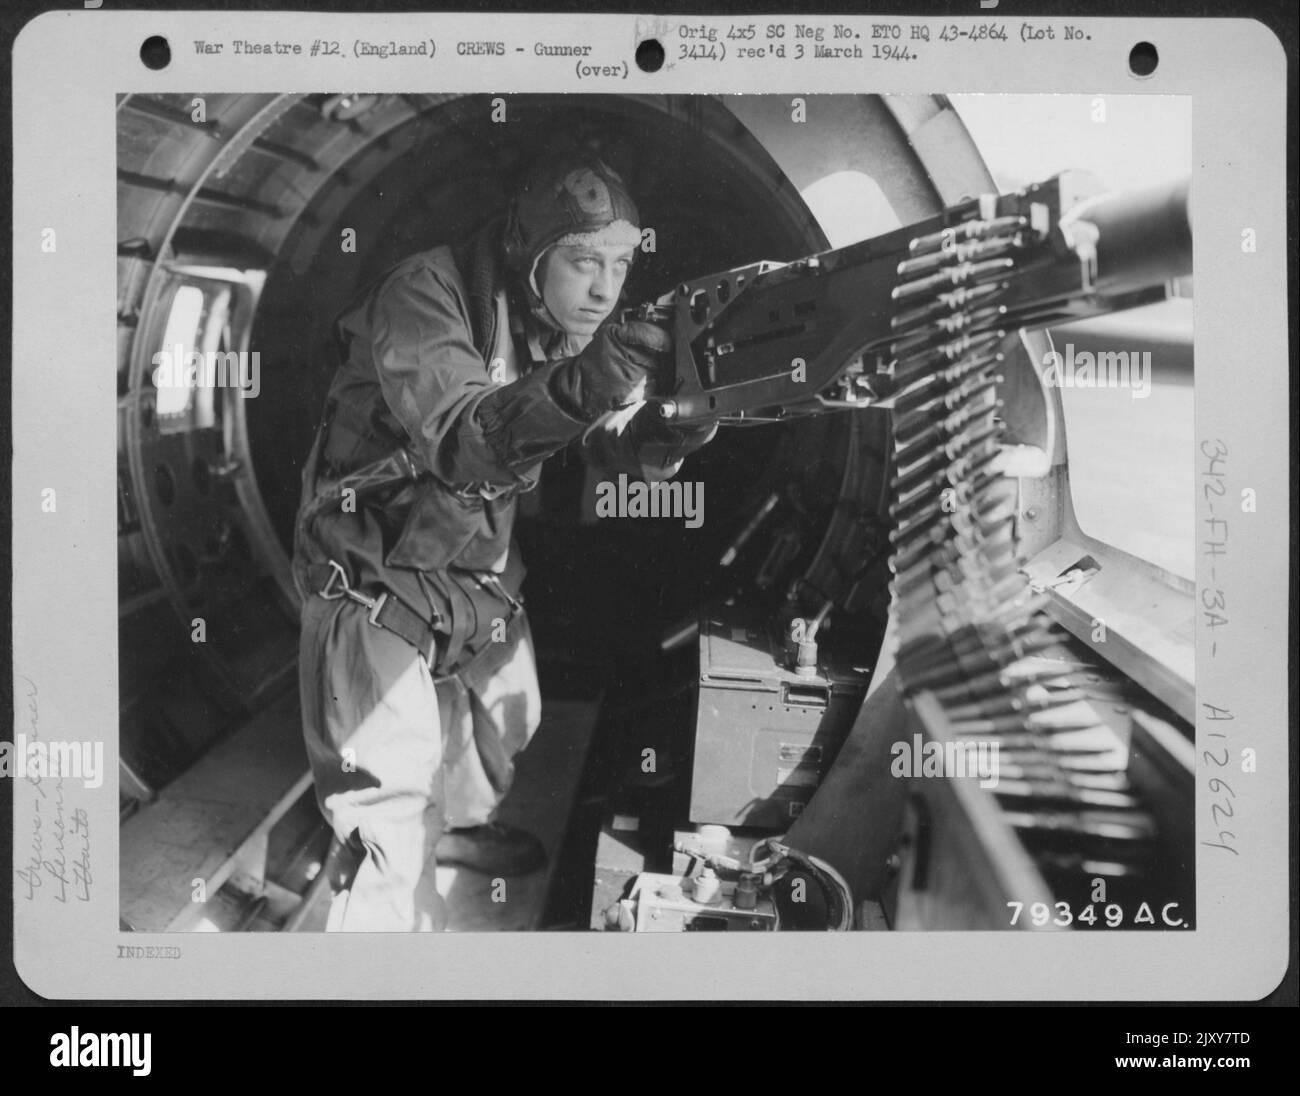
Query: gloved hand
[618, 365]
[692, 436]
[667, 445]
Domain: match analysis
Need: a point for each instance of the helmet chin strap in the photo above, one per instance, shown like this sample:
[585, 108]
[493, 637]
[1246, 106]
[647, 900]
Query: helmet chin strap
[532, 273]
[532, 295]
[556, 338]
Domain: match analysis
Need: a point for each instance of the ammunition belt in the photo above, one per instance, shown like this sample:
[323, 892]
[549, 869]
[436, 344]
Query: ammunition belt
[971, 631]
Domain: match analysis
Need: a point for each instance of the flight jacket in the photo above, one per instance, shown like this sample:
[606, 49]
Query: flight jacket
[423, 350]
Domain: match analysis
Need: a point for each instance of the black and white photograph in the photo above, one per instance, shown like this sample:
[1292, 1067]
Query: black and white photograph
[657, 514]
[585, 479]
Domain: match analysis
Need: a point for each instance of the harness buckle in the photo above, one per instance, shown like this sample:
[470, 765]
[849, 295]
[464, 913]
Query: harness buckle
[488, 492]
[490, 581]
[338, 577]
[376, 604]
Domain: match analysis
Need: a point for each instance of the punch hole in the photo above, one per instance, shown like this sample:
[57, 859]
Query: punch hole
[155, 52]
[650, 55]
[1142, 59]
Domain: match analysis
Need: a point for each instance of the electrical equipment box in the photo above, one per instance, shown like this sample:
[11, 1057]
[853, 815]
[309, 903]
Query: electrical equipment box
[669, 903]
[765, 736]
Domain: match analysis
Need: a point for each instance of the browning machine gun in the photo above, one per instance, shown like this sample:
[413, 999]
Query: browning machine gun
[927, 322]
[847, 328]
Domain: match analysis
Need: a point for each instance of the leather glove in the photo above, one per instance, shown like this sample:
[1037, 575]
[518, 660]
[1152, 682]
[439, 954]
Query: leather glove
[688, 438]
[665, 445]
[615, 367]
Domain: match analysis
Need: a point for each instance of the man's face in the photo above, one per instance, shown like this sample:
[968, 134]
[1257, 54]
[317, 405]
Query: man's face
[580, 283]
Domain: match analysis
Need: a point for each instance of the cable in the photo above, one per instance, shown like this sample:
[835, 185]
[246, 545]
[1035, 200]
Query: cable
[830, 880]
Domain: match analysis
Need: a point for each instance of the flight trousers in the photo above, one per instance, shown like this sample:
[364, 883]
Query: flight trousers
[399, 755]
